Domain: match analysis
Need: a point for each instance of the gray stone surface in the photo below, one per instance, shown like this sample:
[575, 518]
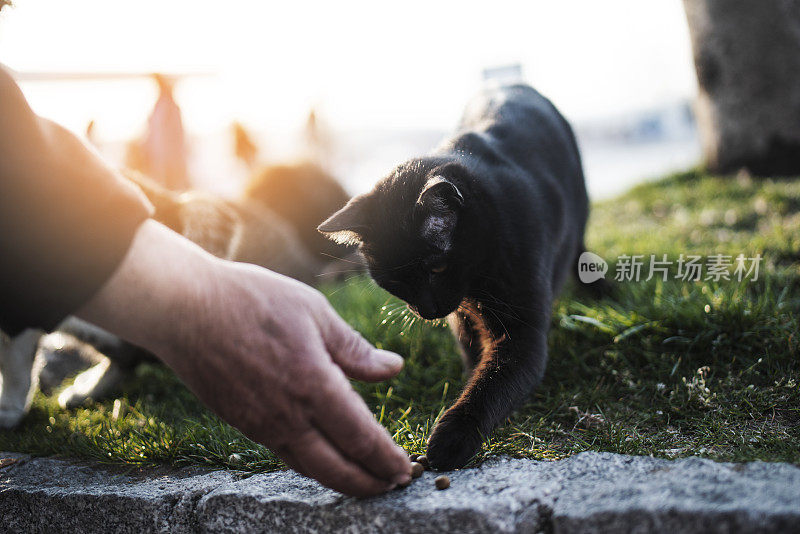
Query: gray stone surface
[590, 492]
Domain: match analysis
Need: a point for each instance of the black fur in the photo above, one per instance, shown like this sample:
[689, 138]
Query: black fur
[485, 230]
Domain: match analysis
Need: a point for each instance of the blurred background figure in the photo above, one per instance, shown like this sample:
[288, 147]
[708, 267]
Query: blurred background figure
[504, 74]
[318, 140]
[161, 153]
[244, 148]
[91, 132]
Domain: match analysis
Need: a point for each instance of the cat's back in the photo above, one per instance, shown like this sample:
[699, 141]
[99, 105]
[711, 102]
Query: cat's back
[520, 121]
[506, 105]
[518, 135]
[524, 161]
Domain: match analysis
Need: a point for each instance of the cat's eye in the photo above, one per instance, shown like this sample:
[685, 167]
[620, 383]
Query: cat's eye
[439, 268]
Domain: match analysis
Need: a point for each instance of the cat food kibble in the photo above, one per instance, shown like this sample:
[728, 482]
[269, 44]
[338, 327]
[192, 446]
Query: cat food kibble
[416, 469]
[442, 482]
[423, 460]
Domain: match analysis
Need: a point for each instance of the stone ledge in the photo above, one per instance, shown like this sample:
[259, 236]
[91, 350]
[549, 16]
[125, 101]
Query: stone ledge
[589, 492]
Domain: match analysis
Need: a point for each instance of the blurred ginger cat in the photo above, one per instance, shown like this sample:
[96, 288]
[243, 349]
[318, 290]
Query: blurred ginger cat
[273, 225]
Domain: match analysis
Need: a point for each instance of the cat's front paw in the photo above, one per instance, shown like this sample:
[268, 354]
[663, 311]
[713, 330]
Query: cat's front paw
[455, 440]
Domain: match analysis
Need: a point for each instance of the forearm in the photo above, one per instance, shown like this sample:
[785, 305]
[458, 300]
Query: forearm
[156, 288]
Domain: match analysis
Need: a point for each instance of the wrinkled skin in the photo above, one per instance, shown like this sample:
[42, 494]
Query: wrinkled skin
[265, 352]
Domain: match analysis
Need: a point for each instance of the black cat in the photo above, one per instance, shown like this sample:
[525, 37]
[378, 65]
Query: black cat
[484, 230]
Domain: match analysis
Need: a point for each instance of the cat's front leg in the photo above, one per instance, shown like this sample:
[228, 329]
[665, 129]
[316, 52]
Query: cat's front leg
[507, 374]
[17, 386]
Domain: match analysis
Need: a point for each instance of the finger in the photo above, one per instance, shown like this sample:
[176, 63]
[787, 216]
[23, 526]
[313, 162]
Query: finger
[346, 421]
[288, 458]
[314, 457]
[355, 355]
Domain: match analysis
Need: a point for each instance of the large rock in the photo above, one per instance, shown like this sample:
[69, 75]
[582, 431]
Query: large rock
[590, 492]
[43, 495]
[747, 57]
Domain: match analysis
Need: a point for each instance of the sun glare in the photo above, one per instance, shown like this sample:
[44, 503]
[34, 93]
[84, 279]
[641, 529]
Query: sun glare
[366, 64]
[365, 68]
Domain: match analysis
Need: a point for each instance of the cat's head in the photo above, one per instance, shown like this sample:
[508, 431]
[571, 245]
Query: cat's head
[410, 230]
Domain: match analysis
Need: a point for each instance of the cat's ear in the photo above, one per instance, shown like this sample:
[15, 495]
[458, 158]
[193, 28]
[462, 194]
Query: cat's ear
[348, 225]
[437, 206]
[439, 192]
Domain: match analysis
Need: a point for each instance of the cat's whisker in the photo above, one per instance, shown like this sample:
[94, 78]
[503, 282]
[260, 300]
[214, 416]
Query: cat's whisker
[391, 311]
[510, 306]
[354, 262]
[342, 271]
[490, 310]
[385, 270]
[513, 314]
[515, 317]
[343, 284]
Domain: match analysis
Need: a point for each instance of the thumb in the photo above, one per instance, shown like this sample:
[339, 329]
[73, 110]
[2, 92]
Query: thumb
[355, 355]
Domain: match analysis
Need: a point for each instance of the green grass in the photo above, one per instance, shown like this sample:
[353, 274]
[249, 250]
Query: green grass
[668, 369]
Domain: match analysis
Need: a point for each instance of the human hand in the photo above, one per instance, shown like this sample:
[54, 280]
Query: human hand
[266, 353]
[275, 361]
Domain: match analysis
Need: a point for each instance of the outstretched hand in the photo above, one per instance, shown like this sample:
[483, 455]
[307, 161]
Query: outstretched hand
[266, 353]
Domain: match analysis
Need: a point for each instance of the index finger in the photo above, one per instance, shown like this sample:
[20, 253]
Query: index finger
[344, 419]
[311, 455]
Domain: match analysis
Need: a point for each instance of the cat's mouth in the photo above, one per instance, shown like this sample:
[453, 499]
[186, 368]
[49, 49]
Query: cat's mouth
[428, 312]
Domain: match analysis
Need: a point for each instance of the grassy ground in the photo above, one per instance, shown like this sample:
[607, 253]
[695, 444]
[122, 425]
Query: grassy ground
[670, 368]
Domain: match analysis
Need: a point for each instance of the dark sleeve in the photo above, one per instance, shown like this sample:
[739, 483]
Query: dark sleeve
[66, 218]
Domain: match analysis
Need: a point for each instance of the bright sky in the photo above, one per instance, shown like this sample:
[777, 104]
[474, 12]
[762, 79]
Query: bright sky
[366, 64]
